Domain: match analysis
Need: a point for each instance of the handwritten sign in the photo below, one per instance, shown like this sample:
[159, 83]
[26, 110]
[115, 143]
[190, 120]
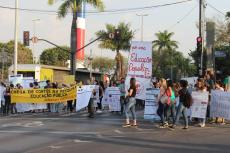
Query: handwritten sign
[140, 67]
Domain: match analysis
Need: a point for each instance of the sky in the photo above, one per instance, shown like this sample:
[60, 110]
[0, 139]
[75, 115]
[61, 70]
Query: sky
[159, 19]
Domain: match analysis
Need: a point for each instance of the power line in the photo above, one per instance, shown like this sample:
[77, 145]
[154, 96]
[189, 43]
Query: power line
[183, 18]
[95, 12]
[216, 9]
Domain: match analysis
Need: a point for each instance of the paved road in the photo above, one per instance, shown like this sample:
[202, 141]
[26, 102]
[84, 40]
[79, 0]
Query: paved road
[104, 134]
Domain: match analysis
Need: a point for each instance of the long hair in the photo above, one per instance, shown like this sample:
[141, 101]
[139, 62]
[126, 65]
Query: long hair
[133, 83]
[163, 83]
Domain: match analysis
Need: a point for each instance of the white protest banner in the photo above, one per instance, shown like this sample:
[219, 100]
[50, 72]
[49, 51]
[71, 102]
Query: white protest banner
[151, 104]
[140, 67]
[83, 96]
[200, 103]
[15, 79]
[21, 107]
[112, 98]
[220, 104]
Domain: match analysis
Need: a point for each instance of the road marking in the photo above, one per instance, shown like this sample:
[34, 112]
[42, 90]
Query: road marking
[81, 141]
[55, 147]
[30, 124]
[118, 131]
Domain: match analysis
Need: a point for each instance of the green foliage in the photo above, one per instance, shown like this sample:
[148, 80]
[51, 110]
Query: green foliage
[115, 45]
[223, 63]
[24, 54]
[103, 64]
[182, 66]
[55, 56]
[164, 41]
[75, 6]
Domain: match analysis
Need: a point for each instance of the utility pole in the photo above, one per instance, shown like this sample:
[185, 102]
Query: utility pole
[16, 39]
[142, 24]
[91, 62]
[201, 32]
[34, 35]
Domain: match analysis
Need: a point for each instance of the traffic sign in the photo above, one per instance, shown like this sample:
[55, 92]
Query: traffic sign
[34, 39]
[220, 54]
[111, 35]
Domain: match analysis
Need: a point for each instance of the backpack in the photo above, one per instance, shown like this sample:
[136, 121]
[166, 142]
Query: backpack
[188, 100]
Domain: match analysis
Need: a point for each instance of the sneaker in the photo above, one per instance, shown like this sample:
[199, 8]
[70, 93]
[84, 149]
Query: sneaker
[99, 111]
[202, 125]
[173, 126]
[185, 128]
[126, 126]
[166, 124]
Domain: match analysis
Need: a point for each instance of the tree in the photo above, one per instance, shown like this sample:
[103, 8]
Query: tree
[123, 43]
[55, 56]
[163, 43]
[75, 7]
[105, 65]
[25, 55]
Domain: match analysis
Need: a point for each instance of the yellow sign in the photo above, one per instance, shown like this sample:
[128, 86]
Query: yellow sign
[69, 79]
[43, 95]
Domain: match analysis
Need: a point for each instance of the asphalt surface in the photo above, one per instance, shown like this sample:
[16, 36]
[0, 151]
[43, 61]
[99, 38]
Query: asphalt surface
[75, 133]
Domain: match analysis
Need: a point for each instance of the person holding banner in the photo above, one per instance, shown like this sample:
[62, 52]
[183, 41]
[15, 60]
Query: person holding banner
[130, 106]
[182, 109]
[219, 87]
[202, 88]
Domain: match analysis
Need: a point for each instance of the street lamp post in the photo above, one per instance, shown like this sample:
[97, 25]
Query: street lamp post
[16, 38]
[142, 23]
[34, 34]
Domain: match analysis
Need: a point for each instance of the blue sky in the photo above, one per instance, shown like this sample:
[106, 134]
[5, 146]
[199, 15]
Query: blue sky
[158, 19]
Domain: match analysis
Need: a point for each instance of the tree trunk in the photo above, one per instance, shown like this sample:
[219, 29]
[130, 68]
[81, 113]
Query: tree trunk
[73, 45]
[119, 73]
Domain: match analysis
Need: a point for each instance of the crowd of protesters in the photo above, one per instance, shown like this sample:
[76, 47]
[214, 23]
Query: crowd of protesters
[175, 99]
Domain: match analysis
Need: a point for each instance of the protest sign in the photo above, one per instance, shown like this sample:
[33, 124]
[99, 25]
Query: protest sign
[151, 104]
[43, 95]
[200, 103]
[220, 104]
[15, 79]
[83, 96]
[140, 67]
[112, 98]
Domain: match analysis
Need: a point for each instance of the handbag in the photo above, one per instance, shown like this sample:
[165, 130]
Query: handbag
[164, 99]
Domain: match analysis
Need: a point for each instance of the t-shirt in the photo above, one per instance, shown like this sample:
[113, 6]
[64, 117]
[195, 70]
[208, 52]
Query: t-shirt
[173, 97]
[227, 83]
[182, 94]
[122, 89]
[134, 91]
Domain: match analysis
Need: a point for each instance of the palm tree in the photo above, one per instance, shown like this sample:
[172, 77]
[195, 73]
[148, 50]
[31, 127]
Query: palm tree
[75, 7]
[123, 43]
[164, 43]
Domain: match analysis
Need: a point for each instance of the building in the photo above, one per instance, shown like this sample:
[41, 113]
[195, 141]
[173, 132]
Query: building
[52, 73]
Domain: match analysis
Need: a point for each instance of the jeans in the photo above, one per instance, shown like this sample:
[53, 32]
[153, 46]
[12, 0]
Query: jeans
[171, 110]
[181, 109]
[122, 103]
[161, 111]
[130, 106]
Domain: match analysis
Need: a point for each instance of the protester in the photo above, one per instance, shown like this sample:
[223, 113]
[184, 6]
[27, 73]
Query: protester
[2, 91]
[201, 87]
[13, 105]
[219, 87]
[101, 93]
[162, 103]
[121, 87]
[91, 101]
[7, 101]
[48, 86]
[227, 84]
[182, 109]
[171, 107]
[130, 106]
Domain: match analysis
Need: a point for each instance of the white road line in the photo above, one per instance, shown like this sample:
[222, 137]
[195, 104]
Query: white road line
[81, 141]
[118, 131]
